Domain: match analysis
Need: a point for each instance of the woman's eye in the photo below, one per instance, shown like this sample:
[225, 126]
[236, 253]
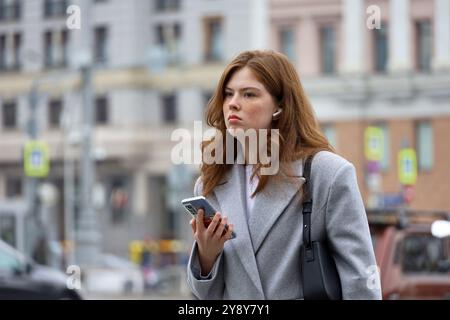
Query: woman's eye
[249, 94]
[228, 94]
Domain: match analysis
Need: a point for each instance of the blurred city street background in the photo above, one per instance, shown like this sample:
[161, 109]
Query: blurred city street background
[91, 91]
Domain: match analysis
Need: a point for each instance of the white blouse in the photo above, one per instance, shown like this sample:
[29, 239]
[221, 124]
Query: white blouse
[250, 188]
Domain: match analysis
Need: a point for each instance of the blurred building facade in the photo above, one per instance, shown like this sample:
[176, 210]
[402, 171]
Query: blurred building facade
[155, 66]
[395, 77]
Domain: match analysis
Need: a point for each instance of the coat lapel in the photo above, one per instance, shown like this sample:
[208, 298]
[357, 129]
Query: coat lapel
[271, 202]
[231, 196]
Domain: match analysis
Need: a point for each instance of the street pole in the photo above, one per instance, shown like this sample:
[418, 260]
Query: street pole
[69, 191]
[88, 238]
[37, 231]
[31, 182]
[87, 235]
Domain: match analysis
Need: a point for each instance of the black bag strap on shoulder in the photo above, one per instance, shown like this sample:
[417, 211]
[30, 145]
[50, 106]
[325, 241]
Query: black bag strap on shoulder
[319, 273]
[307, 205]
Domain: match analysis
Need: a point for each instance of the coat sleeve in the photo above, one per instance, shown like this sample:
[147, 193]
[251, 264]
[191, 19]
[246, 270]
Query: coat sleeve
[210, 287]
[349, 237]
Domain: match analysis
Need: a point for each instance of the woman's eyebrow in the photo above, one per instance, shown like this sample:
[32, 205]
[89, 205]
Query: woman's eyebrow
[243, 89]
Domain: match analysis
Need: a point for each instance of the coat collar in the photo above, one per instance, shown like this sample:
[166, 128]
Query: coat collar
[269, 205]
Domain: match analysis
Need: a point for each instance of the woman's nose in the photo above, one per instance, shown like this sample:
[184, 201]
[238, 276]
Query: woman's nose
[233, 103]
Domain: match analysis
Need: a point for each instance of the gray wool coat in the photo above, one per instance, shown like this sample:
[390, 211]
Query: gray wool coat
[263, 261]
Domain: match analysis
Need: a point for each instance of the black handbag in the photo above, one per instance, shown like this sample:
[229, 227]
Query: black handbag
[318, 269]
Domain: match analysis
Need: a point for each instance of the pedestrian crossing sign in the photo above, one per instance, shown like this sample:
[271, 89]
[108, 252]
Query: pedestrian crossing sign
[373, 137]
[36, 159]
[407, 166]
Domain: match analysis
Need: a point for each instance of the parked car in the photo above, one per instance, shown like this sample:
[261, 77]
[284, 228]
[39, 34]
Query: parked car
[413, 263]
[114, 275]
[22, 278]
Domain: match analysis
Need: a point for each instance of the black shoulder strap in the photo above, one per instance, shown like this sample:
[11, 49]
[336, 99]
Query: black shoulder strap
[307, 202]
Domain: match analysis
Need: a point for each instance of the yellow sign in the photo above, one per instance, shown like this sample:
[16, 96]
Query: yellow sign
[36, 159]
[373, 143]
[407, 166]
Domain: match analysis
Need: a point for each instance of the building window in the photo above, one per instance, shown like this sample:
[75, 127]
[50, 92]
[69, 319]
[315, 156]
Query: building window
[168, 37]
[100, 44]
[10, 44]
[167, 5]
[54, 113]
[3, 51]
[160, 35]
[48, 49]
[9, 115]
[101, 110]
[55, 48]
[381, 48]
[328, 47]
[287, 42]
[424, 145]
[55, 8]
[330, 133]
[64, 44]
[13, 187]
[423, 43]
[10, 10]
[213, 39]
[169, 108]
[17, 44]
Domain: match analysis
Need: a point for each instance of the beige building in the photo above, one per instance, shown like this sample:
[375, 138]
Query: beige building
[155, 66]
[396, 77]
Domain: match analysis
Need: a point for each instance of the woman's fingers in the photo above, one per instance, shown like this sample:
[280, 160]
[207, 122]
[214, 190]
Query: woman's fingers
[220, 228]
[216, 228]
[214, 223]
[199, 220]
[193, 225]
[227, 235]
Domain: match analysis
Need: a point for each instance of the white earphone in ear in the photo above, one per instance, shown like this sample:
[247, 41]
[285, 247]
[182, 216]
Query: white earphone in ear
[277, 114]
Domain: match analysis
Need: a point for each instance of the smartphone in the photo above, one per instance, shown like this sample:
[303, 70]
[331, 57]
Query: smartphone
[192, 205]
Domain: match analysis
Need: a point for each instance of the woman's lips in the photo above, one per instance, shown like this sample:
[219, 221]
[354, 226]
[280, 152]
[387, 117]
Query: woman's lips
[233, 119]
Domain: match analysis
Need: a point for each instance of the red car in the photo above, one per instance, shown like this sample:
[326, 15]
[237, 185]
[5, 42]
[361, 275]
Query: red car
[413, 263]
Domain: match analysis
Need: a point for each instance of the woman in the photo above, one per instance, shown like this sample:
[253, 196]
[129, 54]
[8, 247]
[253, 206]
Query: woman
[261, 90]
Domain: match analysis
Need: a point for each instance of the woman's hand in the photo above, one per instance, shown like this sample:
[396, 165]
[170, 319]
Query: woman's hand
[210, 240]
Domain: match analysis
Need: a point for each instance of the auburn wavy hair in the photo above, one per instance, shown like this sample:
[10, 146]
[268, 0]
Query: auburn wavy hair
[299, 132]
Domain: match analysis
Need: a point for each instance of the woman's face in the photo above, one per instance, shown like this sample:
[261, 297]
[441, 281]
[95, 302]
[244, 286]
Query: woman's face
[247, 104]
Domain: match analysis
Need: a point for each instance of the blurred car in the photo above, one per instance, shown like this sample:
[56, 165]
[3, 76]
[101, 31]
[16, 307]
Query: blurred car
[22, 278]
[114, 275]
[413, 263]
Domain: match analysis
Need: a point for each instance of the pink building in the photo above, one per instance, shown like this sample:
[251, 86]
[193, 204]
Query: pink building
[396, 76]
